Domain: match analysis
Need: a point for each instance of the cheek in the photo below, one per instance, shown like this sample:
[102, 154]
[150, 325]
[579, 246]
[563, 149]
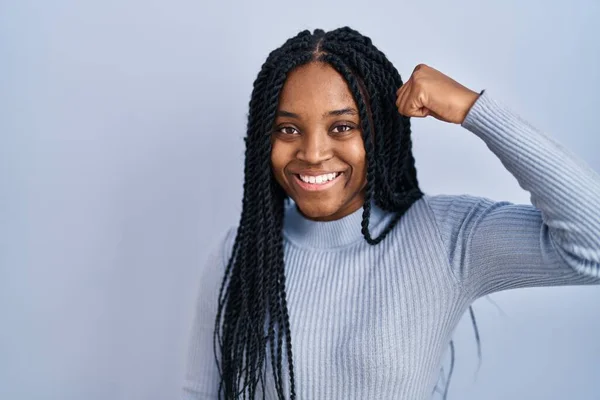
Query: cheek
[279, 159]
[357, 158]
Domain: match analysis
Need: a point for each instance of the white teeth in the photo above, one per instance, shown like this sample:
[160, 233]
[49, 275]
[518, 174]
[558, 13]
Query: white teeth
[320, 179]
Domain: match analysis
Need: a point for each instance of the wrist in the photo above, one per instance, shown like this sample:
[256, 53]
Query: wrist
[470, 100]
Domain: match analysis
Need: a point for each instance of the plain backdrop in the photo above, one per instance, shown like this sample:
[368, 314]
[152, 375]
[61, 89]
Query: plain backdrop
[121, 165]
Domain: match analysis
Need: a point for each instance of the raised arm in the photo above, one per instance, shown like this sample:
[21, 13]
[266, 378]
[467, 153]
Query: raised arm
[498, 245]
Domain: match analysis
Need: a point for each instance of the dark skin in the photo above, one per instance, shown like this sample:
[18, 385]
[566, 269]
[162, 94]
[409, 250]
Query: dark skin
[323, 136]
[317, 134]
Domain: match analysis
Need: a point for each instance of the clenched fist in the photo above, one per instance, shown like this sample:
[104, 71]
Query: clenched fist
[430, 92]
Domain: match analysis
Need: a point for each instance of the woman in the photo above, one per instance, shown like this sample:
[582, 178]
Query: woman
[353, 287]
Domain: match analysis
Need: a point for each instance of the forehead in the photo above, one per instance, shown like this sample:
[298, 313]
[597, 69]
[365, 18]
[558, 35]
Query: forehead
[315, 85]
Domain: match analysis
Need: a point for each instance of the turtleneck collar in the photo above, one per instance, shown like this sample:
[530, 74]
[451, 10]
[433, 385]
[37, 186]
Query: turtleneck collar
[305, 232]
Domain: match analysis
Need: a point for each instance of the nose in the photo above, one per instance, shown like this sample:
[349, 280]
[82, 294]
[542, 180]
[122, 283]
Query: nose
[315, 148]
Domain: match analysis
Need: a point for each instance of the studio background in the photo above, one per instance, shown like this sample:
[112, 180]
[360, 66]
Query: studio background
[121, 165]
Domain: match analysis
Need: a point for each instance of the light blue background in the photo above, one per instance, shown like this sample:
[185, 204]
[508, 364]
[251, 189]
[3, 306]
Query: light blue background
[121, 158]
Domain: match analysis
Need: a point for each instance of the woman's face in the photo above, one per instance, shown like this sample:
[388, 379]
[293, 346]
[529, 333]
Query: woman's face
[318, 155]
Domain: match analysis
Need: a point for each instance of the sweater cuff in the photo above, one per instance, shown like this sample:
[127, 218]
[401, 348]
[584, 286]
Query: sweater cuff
[485, 112]
[494, 122]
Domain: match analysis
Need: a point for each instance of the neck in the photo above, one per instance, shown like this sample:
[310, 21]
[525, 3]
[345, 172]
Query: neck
[327, 234]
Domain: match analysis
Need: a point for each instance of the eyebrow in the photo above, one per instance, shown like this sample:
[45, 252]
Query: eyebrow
[337, 113]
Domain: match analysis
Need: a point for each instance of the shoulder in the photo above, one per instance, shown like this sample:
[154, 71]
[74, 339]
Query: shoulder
[458, 217]
[219, 250]
[443, 203]
[447, 208]
[227, 242]
[455, 215]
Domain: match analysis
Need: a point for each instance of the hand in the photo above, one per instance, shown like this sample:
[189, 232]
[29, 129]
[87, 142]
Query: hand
[429, 92]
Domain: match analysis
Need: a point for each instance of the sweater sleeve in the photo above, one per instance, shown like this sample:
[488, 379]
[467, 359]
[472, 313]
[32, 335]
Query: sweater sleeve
[202, 376]
[494, 246]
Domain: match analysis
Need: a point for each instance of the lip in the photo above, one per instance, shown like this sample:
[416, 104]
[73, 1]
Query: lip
[315, 187]
[313, 172]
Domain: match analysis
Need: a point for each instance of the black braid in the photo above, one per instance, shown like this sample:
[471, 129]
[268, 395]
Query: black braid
[252, 316]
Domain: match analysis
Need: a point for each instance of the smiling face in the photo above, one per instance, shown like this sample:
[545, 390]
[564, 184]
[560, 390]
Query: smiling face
[318, 155]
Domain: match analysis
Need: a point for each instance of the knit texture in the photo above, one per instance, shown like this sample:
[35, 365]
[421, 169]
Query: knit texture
[373, 322]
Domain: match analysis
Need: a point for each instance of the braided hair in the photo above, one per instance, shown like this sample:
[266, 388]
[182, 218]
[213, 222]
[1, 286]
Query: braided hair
[252, 307]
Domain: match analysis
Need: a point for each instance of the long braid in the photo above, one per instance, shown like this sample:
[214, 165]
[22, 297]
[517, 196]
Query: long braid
[252, 316]
[383, 183]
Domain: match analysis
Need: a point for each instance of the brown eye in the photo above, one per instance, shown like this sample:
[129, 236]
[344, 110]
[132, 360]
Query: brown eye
[342, 128]
[288, 130]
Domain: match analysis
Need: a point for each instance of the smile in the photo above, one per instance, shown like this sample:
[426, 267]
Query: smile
[318, 182]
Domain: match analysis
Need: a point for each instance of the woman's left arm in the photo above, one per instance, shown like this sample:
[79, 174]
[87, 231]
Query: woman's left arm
[503, 245]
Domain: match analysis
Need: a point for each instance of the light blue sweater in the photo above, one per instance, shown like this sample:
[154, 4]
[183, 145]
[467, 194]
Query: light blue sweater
[373, 322]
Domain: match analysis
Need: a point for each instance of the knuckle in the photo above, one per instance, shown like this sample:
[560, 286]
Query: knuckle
[419, 67]
[420, 70]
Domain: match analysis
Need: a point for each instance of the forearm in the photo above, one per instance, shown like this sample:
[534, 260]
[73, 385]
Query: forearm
[562, 187]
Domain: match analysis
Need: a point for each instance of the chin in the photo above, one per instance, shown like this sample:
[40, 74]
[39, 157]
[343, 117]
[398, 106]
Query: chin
[318, 209]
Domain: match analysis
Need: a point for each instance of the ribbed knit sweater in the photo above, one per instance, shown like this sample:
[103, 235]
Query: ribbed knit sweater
[373, 322]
